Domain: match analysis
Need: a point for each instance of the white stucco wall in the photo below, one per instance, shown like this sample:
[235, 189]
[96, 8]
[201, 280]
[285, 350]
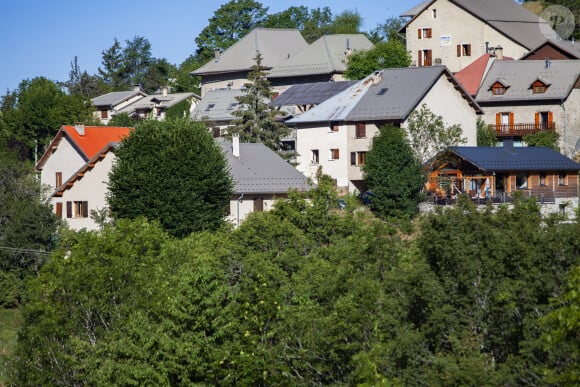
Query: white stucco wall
[92, 187]
[443, 100]
[65, 159]
[461, 28]
[241, 208]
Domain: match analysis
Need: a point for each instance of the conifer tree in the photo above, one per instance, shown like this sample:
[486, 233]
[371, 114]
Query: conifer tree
[256, 120]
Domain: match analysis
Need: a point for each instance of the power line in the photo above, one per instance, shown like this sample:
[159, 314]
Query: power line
[21, 250]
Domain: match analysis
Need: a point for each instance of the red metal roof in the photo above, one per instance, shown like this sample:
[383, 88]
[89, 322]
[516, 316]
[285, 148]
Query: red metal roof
[471, 76]
[95, 137]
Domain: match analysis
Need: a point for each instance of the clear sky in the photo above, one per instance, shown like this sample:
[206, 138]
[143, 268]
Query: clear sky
[42, 37]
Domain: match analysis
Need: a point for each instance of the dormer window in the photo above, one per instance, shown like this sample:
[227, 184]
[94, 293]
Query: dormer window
[209, 107]
[498, 88]
[539, 87]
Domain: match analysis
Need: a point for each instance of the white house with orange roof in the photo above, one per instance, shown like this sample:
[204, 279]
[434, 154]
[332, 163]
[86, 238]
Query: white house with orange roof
[64, 169]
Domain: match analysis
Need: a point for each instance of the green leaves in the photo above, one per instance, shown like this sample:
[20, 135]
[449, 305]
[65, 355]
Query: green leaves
[383, 55]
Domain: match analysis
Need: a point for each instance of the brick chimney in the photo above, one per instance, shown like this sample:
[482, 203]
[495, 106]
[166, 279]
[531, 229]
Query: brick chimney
[499, 52]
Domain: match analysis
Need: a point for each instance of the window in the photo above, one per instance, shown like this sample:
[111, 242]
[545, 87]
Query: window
[562, 178]
[425, 58]
[434, 13]
[58, 178]
[58, 210]
[77, 209]
[463, 50]
[544, 120]
[232, 106]
[334, 127]
[258, 204]
[334, 154]
[539, 87]
[104, 114]
[542, 178]
[209, 107]
[315, 159]
[358, 158]
[498, 89]
[361, 130]
[522, 181]
[424, 33]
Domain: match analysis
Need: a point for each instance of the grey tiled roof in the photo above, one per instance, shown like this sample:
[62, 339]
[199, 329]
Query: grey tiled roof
[115, 97]
[310, 93]
[416, 9]
[275, 45]
[259, 170]
[389, 94]
[500, 159]
[327, 55]
[519, 75]
[217, 105]
[157, 100]
[509, 18]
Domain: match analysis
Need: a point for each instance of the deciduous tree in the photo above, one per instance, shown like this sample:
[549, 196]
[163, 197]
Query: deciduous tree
[383, 55]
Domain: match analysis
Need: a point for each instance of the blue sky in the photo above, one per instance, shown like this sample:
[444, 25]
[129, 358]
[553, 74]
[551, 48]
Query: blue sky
[41, 38]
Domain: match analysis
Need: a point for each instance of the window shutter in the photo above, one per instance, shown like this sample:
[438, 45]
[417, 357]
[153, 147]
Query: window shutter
[429, 33]
[258, 204]
[428, 58]
[550, 119]
[511, 120]
[336, 154]
[85, 209]
[420, 58]
[59, 210]
[537, 119]
[58, 178]
[69, 209]
[459, 50]
[468, 49]
[419, 33]
[497, 120]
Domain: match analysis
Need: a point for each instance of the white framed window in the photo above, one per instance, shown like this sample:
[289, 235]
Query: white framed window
[314, 156]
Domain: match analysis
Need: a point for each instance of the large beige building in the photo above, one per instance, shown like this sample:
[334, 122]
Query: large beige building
[456, 32]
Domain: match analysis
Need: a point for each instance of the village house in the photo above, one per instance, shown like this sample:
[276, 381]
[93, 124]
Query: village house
[496, 174]
[75, 168]
[229, 69]
[337, 134]
[456, 32]
[554, 49]
[139, 105]
[530, 96]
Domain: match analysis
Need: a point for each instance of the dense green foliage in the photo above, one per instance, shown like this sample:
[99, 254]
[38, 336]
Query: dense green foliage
[255, 120]
[27, 224]
[485, 134]
[174, 172]
[549, 138]
[394, 174]
[383, 55]
[307, 294]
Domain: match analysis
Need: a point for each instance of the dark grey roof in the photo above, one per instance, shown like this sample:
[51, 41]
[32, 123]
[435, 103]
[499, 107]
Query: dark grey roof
[217, 105]
[511, 19]
[327, 55]
[275, 45]
[310, 93]
[416, 9]
[157, 100]
[389, 94]
[501, 159]
[115, 97]
[519, 75]
[259, 170]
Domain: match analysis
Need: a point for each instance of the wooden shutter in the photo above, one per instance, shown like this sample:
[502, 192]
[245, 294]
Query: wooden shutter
[335, 154]
[497, 121]
[258, 204]
[550, 119]
[59, 210]
[420, 58]
[429, 33]
[459, 50]
[511, 120]
[85, 209]
[419, 33]
[468, 50]
[428, 58]
[69, 209]
[537, 119]
[58, 178]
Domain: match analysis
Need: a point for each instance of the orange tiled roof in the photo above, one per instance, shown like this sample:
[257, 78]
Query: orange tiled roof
[95, 137]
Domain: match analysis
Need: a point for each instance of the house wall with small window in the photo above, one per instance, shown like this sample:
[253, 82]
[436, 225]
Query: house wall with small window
[87, 193]
[235, 80]
[65, 160]
[453, 37]
[445, 101]
[240, 209]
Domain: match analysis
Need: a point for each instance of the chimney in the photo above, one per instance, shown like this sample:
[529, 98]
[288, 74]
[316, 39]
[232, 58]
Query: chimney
[217, 54]
[498, 52]
[508, 145]
[80, 128]
[236, 145]
[136, 87]
[164, 90]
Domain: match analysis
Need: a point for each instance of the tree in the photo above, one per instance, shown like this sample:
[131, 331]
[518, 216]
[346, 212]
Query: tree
[347, 22]
[174, 172]
[80, 82]
[112, 64]
[317, 25]
[485, 134]
[256, 121]
[549, 138]
[388, 31]
[27, 224]
[229, 23]
[383, 55]
[393, 173]
[184, 82]
[429, 136]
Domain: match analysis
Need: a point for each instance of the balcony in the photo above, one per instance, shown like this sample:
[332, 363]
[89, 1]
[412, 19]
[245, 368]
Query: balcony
[518, 130]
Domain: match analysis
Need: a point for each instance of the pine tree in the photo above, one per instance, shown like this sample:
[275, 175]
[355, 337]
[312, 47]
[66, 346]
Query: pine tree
[256, 120]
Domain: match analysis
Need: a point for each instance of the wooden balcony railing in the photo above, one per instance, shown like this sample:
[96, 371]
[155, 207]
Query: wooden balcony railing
[510, 130]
